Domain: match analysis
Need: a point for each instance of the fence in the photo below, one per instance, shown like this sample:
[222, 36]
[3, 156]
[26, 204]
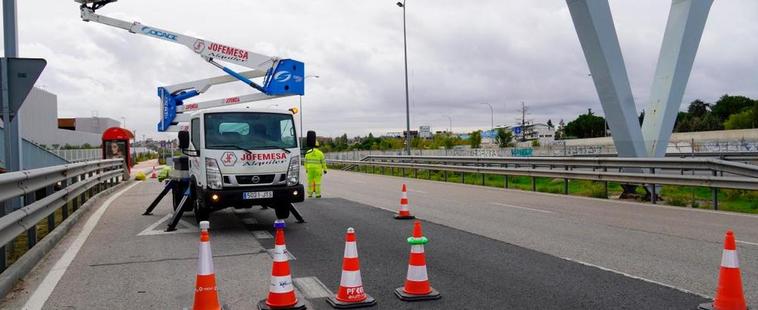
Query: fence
[705, 172]
[79, 155]
[45, 201]
[733, 149]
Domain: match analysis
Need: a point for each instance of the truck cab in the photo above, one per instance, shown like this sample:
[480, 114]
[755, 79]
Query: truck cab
[242, 157]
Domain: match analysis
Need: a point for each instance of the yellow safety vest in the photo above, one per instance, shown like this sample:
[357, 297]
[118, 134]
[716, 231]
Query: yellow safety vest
[314, 159]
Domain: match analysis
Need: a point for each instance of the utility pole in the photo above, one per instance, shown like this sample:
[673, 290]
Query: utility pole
[523, 122]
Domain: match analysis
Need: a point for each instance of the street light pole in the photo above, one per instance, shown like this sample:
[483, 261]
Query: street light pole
[492, 115]
[407, 106]
[450, 129]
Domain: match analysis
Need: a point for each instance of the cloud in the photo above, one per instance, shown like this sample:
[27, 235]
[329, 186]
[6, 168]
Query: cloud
[460, 54]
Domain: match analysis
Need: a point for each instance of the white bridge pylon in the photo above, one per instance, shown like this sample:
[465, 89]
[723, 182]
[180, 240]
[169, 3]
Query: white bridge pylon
[594, 25]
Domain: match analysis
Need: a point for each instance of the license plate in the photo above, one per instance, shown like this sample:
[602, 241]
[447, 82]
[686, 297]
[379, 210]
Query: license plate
[257, 195]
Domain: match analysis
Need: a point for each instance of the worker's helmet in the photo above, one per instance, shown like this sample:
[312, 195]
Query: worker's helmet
[310, 140]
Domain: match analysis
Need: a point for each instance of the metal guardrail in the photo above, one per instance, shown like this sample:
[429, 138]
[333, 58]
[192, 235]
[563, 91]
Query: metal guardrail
[648, 172]
[46, 190]
[690, 164]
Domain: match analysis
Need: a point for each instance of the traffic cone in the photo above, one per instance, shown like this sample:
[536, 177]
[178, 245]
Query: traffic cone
[729, 295]
[206, 292]
[281, 292]
[351, 293]
[152, 174]
[417, 285]
[403, 213]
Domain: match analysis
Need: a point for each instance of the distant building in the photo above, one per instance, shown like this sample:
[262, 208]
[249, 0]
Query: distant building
[40, 124]
[530, 132]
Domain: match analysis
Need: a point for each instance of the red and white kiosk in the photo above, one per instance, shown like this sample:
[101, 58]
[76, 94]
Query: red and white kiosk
[116, 144]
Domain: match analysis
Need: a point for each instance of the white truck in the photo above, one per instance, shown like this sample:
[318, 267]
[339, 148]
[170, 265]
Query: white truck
[236, 156]
[240, 157]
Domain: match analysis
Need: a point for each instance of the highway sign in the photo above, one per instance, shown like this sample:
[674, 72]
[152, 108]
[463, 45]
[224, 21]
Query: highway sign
[22, 74]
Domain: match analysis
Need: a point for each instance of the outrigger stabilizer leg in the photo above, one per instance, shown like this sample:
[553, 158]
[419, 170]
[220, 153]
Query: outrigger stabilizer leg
[296, 214]
[179, 211]
[168, 188]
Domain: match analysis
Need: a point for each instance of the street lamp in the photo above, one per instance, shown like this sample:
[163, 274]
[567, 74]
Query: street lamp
[301, 106]
[450, 129]
[407, 108]
[492, 115]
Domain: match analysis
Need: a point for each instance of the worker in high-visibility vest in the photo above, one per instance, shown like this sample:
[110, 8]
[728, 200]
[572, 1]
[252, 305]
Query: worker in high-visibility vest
[315, 165]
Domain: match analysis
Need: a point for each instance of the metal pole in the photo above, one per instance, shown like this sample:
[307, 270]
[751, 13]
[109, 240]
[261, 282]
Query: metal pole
[12, 129]
[407, 105]
[301, 118]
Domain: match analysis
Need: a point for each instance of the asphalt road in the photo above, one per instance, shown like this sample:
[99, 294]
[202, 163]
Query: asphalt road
[489, 249]
[470, 271]
[674, 246]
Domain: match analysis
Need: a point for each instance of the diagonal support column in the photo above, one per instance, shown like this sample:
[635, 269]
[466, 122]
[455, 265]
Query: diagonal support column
[597, 34]
[684, 29]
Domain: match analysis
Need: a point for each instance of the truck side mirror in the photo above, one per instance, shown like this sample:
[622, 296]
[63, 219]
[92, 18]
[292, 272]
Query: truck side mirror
[184, 140]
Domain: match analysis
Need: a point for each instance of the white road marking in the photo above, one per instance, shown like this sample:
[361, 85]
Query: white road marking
[43, 291]
[522, 208]
[262, 234]
[745, 242]
[312, 288]
[182, 228]
[417, 191]
[636, 277]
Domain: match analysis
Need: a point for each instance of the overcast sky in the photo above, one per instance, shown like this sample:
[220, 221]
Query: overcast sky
[461, 54]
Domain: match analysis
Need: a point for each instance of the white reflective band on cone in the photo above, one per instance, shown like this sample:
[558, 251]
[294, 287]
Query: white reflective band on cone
[351, 279]
[417, 273]
[351, 250]
[205, 263]
[281, 284]
[280, 253]
[729, 259]
[417, 248]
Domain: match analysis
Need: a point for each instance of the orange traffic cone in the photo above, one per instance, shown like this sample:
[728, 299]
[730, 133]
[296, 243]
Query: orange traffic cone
[281, 292]
[417, 285]
[206, 292]
[153, 175]
[404, 213]
[729, 295]
[351, 293]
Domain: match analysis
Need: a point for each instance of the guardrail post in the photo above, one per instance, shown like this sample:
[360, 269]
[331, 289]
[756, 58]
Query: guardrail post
[566, 182]
[506, 180]
[31, 233]
[605, 183]
[4, 248]
[534, 180]
[653, 195]
[415, 173]
[483, 181]
[445, 175]
[715, 194]
[64, 210]
[50, 218]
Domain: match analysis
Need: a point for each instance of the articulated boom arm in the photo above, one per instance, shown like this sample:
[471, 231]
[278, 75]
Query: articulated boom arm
[281, 77]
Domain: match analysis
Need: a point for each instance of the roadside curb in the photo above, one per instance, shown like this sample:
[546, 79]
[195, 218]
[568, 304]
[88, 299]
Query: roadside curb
[19, 269]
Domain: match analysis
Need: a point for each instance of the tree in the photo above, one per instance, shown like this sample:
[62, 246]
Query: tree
[728, 105]
[475, 139]
[586, 126]
[741, 120]
[698, 108]
[504, 137]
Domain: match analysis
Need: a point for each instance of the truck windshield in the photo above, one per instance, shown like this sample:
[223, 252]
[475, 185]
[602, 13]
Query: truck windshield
[249, 131]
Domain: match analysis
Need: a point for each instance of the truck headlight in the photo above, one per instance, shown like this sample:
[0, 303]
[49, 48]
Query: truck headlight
[213, 174]
[293, 173]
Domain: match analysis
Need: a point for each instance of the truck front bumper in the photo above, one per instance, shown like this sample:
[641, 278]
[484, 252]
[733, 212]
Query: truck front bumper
[219, 199]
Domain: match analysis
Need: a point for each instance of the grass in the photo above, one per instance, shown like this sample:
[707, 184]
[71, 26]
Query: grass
[743, 201]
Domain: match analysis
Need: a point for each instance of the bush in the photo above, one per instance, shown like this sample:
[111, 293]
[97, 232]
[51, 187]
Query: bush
[677, 201]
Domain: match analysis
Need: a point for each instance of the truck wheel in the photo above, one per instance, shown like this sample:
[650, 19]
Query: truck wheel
[201, 212]
[282, 210]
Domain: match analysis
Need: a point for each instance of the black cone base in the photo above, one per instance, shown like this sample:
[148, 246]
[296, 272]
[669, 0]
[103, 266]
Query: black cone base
[409, 297]
[369, 302]
[404, 217]
[298, 306]
[705, 306]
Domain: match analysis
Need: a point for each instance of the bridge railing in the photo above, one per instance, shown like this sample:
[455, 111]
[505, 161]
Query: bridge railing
[45, 201]
[650, 172]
